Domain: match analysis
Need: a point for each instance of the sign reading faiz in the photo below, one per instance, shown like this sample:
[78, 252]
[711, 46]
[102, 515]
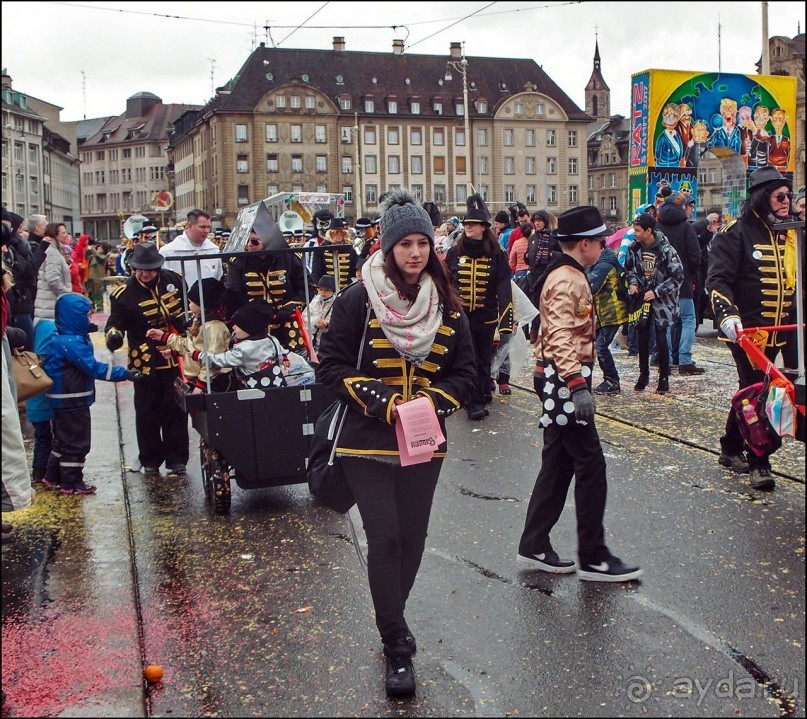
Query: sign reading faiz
[639, 105]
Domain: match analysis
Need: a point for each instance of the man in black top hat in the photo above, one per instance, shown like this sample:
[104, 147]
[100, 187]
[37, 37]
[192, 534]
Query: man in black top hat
[565, 355]
[151, 299]
[339, 263]
[751, 282]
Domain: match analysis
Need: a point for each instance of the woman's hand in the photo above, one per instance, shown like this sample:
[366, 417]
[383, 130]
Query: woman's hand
[398, 401]
[154, 334]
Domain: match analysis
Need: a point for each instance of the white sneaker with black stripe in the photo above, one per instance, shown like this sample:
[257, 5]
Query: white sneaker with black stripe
[547, 562]
[612, 569]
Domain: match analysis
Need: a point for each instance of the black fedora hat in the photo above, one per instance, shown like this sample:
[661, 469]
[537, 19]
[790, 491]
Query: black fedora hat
[767, 176]
[477, 215]
[581, 222]
[146, 256]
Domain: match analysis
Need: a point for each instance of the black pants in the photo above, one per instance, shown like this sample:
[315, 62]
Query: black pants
[661, 350]
[72, 433]
[482, 337]
[162, 426]
[395, 504]
[573, 450]
[732, 441]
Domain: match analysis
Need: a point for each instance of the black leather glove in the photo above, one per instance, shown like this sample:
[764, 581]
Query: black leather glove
[583, 405]
[135, 376]
[93, 327]
[538, 382]
[114, 340]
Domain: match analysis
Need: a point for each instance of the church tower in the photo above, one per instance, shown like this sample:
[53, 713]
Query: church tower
[598, 94]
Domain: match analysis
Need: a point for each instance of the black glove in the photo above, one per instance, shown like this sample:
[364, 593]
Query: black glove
[93, 327]
[283, 315]
[114, 340]
[134, 375]
[583, 405]
[538, 382]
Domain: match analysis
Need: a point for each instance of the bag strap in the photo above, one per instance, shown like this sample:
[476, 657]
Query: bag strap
[344, 408]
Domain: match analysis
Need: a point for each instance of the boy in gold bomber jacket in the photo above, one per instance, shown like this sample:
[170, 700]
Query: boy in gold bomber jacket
[565, 353]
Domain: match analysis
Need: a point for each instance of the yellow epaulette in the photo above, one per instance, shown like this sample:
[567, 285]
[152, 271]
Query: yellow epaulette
[726, 227]
[117, 291]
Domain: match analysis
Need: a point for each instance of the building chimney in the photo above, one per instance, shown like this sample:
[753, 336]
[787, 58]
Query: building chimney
[6, 79]
[338, 43]
[456, 50]
[397, 47]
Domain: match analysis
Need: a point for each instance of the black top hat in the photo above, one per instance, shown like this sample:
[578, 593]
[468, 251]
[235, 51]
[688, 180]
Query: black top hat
[581, 222]
[477, 215]
[146, 256]
[147, 228]
[767, 176]
[338, 223]
[363, 223]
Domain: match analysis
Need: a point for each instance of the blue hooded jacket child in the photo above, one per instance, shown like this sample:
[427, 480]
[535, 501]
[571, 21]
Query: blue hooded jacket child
[70, 360]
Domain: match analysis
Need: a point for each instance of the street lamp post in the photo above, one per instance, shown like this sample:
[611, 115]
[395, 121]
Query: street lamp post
[462, 67]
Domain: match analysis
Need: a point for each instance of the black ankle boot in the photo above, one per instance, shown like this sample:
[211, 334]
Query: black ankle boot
[642, 382]
[663, 385]
[400, 674]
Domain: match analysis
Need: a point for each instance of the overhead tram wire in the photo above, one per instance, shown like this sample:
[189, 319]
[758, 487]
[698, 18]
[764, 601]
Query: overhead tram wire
[324, 5]
[408, 47]
[313, 27]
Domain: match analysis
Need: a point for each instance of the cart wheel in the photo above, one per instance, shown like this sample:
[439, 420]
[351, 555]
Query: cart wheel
[220, 484]
[204, 459]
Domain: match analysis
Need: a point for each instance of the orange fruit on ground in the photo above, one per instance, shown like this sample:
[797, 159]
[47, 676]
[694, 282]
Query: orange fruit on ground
[153, 673]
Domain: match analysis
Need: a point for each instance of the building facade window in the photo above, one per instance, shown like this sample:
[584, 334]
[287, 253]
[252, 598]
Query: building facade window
[271, 132]
[370, 164]
[461, 193]
[551, 138]
[531, 196]
[347, 191]
[310, 102]
[296, 163]
[439, 193]
[347, 164]
[393, 136]
[394, 164]
[321, 163]
[369, 105]
[612, 204]
[371, 194]
[551, 166]
[438, 136]
[439, 163]
[519, 108]
[415, 136]
[483, 164]
[459, 138]
[320, 135]
[613, 179]
[295, 102]
[529, 165]
[551, 194]
[392, 107]
[296, 133]
[509, 193]
[271, 163]
[572, 138]
[460, 109]
[482, 137]
[240, 133]
[344, 103]
[460, 165]
[280, 101]
[573, 195]
[539, 108]
[483, 190]
[415, 107]
[507, 137]
[417, 192]
[572, 165]
[369, 136]
[416, 164]
[243, 194]
[438, 107]
[509, 165]
[242, 163]
[481, 107]
[529, 137]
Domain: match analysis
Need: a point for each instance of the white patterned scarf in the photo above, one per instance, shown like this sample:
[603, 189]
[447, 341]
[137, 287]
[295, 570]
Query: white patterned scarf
[410, 328]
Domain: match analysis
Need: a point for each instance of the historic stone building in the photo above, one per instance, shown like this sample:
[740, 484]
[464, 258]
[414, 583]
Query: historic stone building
[360, 123]
[40, 168]
[607, 142]
[124, 163]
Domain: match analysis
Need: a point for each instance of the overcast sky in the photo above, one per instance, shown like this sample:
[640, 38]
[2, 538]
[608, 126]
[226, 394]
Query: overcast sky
[166, 48]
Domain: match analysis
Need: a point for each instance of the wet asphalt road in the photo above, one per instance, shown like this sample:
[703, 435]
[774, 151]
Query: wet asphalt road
[266, 611]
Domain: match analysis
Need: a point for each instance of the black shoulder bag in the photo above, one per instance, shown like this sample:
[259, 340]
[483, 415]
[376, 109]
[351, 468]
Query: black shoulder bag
[326, 478]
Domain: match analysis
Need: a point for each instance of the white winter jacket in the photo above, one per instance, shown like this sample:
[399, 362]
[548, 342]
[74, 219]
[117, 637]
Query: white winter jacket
[52, 282]
[181, 246]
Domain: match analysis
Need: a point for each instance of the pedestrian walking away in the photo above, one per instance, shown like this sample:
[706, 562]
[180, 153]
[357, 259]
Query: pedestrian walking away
[565, 355]
[416, 343]
[751, 283]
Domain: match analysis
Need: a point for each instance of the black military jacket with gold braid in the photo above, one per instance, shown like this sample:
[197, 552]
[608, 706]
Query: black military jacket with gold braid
[446, 376]
[747, 277]
[136, 308]
[483, 283]
[342, 267]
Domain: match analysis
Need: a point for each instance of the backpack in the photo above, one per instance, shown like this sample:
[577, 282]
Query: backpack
[748, 409]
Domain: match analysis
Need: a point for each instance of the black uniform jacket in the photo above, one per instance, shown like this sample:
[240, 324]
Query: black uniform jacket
[343, 269]
[746, 277]
[446, 376]
[136, 308]
[483, 283]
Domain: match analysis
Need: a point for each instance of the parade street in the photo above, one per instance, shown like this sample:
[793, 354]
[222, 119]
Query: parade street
[266, 611]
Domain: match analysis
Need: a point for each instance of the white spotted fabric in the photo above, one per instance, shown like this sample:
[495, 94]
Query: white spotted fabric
[558, 407]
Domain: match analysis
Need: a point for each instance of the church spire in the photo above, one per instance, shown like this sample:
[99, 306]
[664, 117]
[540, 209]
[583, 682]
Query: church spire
[598, 94]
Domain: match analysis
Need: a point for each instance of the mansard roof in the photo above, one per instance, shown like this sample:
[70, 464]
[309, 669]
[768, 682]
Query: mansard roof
[339, 73]
[153, 126]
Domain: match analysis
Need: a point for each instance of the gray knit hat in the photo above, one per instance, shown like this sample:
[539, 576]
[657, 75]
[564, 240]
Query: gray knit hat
[401, 215]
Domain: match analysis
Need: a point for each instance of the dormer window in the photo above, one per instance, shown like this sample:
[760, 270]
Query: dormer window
[414, 107]
[392, 106]
[438, 107]
[345, 103]
[369, 104]
[482, 106]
